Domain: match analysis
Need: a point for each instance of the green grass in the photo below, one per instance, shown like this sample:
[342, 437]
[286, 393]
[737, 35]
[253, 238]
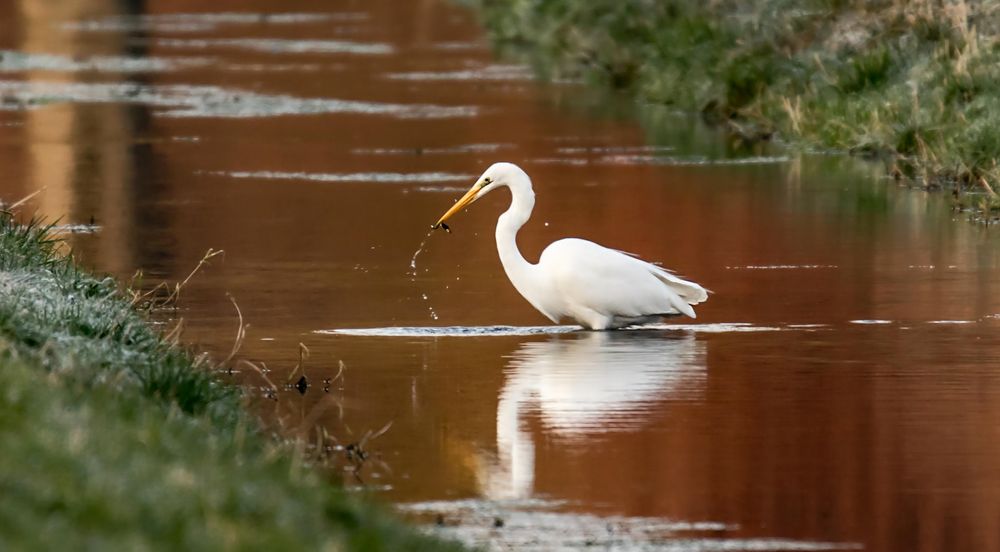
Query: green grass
[113, 439]
[915, 82]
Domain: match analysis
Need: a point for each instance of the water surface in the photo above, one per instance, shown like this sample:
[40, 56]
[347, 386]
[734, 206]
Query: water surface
[839, 389]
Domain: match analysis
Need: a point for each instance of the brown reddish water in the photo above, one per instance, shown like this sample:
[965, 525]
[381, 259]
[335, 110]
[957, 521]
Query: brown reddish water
[839, 389]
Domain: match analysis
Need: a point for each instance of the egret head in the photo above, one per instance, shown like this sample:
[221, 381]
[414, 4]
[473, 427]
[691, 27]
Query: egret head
[499, 174]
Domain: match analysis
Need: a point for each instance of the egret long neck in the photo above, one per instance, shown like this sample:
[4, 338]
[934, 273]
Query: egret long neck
[522, 201]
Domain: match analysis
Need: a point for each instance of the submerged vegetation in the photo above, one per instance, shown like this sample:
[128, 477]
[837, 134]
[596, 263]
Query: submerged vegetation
[113, 438]
[914, 82]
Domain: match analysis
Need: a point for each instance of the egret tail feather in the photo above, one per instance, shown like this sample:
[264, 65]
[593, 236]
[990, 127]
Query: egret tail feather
[690, 292]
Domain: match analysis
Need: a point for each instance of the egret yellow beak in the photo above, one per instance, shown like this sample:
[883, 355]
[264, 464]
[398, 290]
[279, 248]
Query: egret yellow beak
[467, 199]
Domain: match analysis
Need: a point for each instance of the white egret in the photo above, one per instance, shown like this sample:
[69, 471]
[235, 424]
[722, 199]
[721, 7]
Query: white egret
[598, 287]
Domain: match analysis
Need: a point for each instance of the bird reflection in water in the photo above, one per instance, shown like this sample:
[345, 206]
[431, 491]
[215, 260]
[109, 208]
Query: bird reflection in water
[583, 384]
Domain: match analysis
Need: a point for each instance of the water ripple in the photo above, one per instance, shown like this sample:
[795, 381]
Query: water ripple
[614, 149]
[537, 525]
[200, 22]
[500, 331]
[463, 148]
[208, 101]
[15, 61]
[281, 46]
[75, 229]
[693, 161]
[489, 73]
[346, 177]
[781, 267]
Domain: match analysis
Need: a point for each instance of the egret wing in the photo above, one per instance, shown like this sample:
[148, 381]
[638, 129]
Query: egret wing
[588, 276]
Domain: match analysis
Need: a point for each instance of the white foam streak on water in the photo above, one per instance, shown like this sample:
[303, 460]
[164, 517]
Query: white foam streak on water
[276, 67]
[14, 61]
[463, 148]
[439, 189]
[488, 73]
[281, 46]
[460, 46]
[871, 321]
[689, 161]
[345, 177]
[780, 267]
[201, 22]
[537, 525]
[450, 331]
[730, 327]
[501, 331]
[560, 161]
[76, 228]
[208, 101]
[613, 149]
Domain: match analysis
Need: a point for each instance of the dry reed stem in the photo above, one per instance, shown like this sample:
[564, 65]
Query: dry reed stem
[986, 186]
[174, 336]
[211, 253]
[794, 113]
[148, 295]
[301, 366]
[25, 199]
[241, 332]
[260, 372]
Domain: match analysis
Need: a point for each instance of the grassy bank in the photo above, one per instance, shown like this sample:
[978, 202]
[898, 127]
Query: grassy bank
[915, 81]
[114, 439]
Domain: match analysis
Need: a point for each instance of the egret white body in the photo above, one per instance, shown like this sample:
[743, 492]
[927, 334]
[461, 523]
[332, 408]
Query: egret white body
[599, 288]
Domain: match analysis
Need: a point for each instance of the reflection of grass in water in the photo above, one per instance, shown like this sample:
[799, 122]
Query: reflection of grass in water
[917, 83]
[872, 201]
[113, 438]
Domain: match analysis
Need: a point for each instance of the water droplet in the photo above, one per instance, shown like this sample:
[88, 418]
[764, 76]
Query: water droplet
[413, 273]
